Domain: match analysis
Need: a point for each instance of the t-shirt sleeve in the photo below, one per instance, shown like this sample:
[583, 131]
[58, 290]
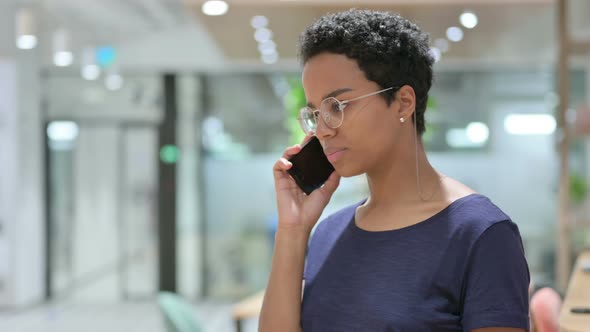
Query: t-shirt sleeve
[497, 280]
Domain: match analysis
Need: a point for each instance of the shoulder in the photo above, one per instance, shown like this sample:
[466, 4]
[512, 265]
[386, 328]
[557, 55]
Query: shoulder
[472, 215]
[475, 219]
[494, 287]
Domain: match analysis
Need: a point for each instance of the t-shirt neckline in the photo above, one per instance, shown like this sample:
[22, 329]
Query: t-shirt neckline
[357, 230]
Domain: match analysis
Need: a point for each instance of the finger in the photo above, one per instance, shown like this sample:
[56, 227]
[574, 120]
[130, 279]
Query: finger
[282, 165]
[295, 149]
[291, 151]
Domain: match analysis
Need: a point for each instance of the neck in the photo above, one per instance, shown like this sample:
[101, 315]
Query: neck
[395, 181]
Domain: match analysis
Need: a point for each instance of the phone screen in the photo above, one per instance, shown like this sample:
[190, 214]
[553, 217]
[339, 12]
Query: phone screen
[311, 169]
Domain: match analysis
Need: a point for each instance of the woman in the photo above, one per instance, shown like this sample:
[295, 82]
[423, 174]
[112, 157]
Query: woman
[423, 252]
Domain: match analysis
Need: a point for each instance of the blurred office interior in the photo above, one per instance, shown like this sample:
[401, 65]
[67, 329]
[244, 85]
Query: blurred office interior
[137, 139]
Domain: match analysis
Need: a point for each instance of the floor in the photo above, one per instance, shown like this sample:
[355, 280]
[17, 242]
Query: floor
[113, 317]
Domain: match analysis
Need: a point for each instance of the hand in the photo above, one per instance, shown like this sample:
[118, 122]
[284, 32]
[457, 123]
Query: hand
[297, 210]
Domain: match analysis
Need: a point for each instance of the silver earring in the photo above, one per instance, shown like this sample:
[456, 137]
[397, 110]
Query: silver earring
[402, 120]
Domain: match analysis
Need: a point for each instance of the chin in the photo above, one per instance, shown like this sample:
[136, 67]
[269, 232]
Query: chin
[347, 171]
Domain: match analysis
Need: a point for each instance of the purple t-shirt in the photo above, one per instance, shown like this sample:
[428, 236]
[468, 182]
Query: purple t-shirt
[462, 269]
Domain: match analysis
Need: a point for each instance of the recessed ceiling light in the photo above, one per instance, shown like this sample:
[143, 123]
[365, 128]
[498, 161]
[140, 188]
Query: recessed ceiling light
[270, 58]
[259, 22]
[63, 59]
[26, 42]
[62, 130]
[530, 124]
[478, 132]
[26, 38]
[455, 34]
[215, 8]
[114, 82]
[468, 19]
[263, 35]
[62, 55]
[267, 47]
[90, 72]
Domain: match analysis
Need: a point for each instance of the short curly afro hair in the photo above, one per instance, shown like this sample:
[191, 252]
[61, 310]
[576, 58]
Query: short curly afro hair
[389, 49]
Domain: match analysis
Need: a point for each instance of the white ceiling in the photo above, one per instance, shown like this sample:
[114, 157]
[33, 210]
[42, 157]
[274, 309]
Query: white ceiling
[173, 34]
[157, 34]
[508, 30]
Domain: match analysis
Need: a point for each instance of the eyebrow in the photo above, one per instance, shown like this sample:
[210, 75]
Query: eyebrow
[332, 94]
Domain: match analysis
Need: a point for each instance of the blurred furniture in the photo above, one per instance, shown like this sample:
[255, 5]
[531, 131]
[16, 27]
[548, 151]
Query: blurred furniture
[247, 308]
[578, 295]
[178, 314]
[545, 307]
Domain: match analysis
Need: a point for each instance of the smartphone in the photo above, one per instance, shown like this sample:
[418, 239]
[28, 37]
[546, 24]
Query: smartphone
[311, 169]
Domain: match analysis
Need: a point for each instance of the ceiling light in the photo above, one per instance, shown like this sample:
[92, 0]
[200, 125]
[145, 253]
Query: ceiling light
[455, 34]
[259, 22]
[468, 19]
[478, 132]
[270, 58]
[458, 138]
[62, 55]
[267, 47]
[25, 30]
[62, 130]
[263, 35]
[90, 72]
[63, 59]
[215, 8]
[114, 82]
[26, 42]
[530, 124]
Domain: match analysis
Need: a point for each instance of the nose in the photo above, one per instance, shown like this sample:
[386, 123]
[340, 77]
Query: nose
[323, 131]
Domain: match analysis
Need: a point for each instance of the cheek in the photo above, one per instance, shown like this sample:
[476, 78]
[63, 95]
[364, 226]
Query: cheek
[380, 128]
[380, 140]
[372, 136]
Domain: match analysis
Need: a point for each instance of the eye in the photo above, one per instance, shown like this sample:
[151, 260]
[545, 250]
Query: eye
[335, 106]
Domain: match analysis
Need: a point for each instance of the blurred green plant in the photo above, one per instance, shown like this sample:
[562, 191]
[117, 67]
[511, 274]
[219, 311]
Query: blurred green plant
[293, 102]
[578, 188]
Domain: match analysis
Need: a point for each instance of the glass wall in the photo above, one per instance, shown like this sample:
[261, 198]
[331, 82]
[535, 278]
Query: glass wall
[243, 131]
[102, 181]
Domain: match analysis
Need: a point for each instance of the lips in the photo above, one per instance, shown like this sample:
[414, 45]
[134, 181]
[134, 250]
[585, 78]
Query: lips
[333, 154]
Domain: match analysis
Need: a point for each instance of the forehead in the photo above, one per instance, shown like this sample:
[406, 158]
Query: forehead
[326, 72]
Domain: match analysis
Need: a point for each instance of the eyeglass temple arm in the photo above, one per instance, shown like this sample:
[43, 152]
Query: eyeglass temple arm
[367, 95]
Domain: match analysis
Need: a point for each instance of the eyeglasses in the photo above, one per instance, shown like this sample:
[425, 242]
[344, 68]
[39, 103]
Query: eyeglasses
[331, 111]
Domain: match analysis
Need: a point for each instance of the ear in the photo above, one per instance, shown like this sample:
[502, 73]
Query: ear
[407, 101]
